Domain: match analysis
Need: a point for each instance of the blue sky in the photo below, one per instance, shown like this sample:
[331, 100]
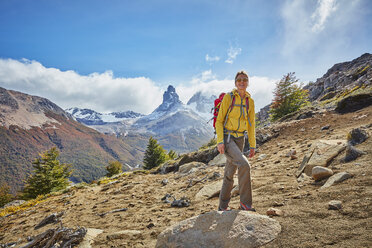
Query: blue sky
[121, 55]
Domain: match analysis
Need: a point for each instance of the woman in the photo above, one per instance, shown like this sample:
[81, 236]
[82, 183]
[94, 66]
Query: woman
[236, 120]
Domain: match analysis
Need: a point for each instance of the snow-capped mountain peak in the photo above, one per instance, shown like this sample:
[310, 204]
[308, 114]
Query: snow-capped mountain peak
[171, 100]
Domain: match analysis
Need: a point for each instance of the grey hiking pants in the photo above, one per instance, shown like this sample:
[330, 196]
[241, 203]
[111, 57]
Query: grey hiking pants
[236, 160]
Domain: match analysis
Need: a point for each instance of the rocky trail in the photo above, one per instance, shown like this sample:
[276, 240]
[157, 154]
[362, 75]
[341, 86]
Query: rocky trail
[129, 210]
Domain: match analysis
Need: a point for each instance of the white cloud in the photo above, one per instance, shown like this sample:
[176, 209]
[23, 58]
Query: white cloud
[211, 59]
[314, 28]
[322, 13]
[261, 88]
[232, 52]
[99, 91]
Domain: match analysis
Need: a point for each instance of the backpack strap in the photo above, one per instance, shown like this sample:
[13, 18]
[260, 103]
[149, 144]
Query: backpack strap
[232, 96]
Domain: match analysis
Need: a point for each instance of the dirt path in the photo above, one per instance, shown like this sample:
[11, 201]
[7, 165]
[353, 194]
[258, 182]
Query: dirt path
[307, 222]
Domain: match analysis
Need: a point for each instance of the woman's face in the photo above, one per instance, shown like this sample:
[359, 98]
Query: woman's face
[241, 82]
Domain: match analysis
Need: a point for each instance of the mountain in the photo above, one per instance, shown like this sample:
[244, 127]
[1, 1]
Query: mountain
[175, 125]
[202, 104]
[30, 125]
[91, 117]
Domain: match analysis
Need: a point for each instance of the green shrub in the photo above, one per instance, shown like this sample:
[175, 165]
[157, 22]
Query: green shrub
[114, 168]
[210, 143]
[5, 195]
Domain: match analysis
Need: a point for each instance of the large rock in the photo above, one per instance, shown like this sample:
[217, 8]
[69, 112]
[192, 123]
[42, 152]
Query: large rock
[209, 191]
[203, 156]
[337, 178]
[186, 168]
[89, 237]
[319, 173]
[221, 229]
[219, 160]
[321, 153]
[354, 103]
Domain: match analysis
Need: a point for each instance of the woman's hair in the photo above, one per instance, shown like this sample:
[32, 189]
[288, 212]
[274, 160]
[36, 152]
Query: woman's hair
[241, 73]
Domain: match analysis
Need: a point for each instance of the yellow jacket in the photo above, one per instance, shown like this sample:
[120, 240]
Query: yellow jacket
[237, 119]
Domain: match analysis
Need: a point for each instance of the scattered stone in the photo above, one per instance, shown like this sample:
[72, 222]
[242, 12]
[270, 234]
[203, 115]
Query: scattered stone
[183, 202]
[291, 152]
[209, 191]
[274, 212]
[126, 234]
[167, 197]
[113, 211]
[319, 173]
[164, 182]
[215, 176]
[53, 218]
[293, 157]
[221, 229]
[278, 204]
[89, 237]
[219, 160]
[303, 178]
[334, 205]
[337, 178]
[352, 153]
[261, 157]
[151, 225]
[325, 127]
[356, 136]
[277, 162]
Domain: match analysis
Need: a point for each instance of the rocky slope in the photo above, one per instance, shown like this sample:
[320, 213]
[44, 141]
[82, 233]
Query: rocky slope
[128, 211]
[30, 125]
[341, 80]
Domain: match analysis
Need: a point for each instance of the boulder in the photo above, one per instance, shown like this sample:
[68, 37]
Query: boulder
[337, 178]
[209, 191]
[356, 136]
[221, 229]
[185, 168]
[203, 156]
[319, 173]
[354, 103]
[219, 160]
[322, 152]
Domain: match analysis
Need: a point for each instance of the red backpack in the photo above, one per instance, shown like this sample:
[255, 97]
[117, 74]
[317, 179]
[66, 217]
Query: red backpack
[217, 104]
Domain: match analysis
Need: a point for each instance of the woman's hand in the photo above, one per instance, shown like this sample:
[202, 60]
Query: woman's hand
[251, 152]
[221, 148]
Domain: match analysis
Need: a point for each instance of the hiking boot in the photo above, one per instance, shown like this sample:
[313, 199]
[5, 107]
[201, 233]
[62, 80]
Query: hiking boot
[247, 207]
[224, 209]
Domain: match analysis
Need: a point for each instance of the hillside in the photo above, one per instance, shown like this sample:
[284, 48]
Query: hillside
[306, 222]
[30, 125]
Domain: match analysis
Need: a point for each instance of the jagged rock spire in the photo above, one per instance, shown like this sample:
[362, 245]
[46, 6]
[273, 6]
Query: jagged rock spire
[170, 100]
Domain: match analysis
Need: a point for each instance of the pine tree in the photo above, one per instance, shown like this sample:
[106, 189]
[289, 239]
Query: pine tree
[49, 175]
[288, 97]
[154, 155]
[114, 167]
